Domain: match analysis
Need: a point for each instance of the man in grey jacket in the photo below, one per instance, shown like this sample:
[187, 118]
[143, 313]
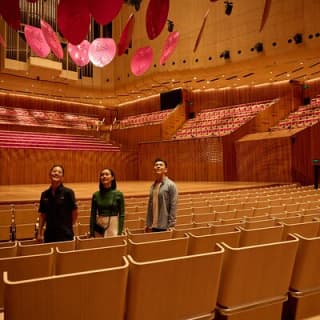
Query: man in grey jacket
[162, 203]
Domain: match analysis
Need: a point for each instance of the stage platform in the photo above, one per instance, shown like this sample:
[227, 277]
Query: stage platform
[31, 193]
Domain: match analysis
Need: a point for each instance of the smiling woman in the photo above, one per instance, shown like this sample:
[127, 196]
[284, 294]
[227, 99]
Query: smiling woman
[107, 207]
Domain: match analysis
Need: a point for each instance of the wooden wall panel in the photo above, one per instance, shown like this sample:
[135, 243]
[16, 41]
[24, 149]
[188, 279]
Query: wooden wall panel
[151, 104]
[174, 121]
[133, 136]
[4, 165]
[30, 166]
[229, 97]
[191, 159]
[315, 141]
[268, 160]
[302, 169]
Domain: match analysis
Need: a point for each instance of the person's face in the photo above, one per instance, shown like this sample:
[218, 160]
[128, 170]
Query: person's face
[56, 175]
[160, 168]
[106, 178]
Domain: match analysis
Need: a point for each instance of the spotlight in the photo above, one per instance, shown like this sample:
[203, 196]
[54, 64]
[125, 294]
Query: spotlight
[170, 25]
[228, 6]
[297, 38]
[225, 54]
[258, 46]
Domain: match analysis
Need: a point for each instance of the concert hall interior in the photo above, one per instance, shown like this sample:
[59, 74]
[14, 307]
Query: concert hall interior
[227, 92]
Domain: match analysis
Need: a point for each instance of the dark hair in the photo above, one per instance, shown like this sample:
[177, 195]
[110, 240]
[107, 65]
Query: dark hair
[57, 165]
[113, 182]
[159, 159]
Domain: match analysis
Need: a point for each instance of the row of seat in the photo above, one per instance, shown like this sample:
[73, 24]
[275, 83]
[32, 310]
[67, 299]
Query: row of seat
[303, 117]
[37, 140]
[33, 117]
[223, 120]
[144, 119]
[164, 280]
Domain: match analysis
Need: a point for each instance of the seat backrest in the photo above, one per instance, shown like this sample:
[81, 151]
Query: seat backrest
[222, 228]
[256, 273]
[89, 259]
[93, 294]
[307, 229]
[159, 249]
[207, 243]
[25, 216]
[203, 217]
[260, 224]
[251, 237]
[25, 231]
[149, 236]
[26, 267]
[5, 233]
[195, 230]
[186, 287]
[83, 242]
[26, 248]
[305, 274]
[8, 249]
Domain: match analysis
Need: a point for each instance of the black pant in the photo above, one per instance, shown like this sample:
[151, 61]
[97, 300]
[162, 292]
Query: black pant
[158, 230]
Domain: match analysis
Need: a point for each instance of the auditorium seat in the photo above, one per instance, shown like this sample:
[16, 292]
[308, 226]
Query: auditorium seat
[83, 229]
[184, 219]
[290, 219]
[8, 249]
[255, 280]
[159, 249]
[195, 230]
[53, 141]
[83, 242]
[6, 220]
[229, 214]
[203, 217]
[306, 229]
[134, 223]
[249, 237]
[23, 268]
[133, 215]
[184, 287]
[24, 215]
[260, 223]
[149, 236]
[207, 243]
[25, 231]
[84, 295]
[216, 228]
[89, 259]
[32, 247]
[304, 294]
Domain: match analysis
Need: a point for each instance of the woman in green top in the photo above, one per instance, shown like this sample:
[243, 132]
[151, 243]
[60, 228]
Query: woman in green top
[107, 207]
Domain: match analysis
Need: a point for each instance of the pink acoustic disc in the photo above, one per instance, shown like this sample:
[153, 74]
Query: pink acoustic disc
[126, 35]
[156, 17]
[79, 53]
[102, 51]
[2, 42]
[10, 12]
[52, 39]
[141, 60]
[104, 11]
[36, 41]
[169, 46]
[73, 19]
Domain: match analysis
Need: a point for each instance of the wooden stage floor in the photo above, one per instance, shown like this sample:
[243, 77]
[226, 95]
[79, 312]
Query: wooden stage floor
[31, 193]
